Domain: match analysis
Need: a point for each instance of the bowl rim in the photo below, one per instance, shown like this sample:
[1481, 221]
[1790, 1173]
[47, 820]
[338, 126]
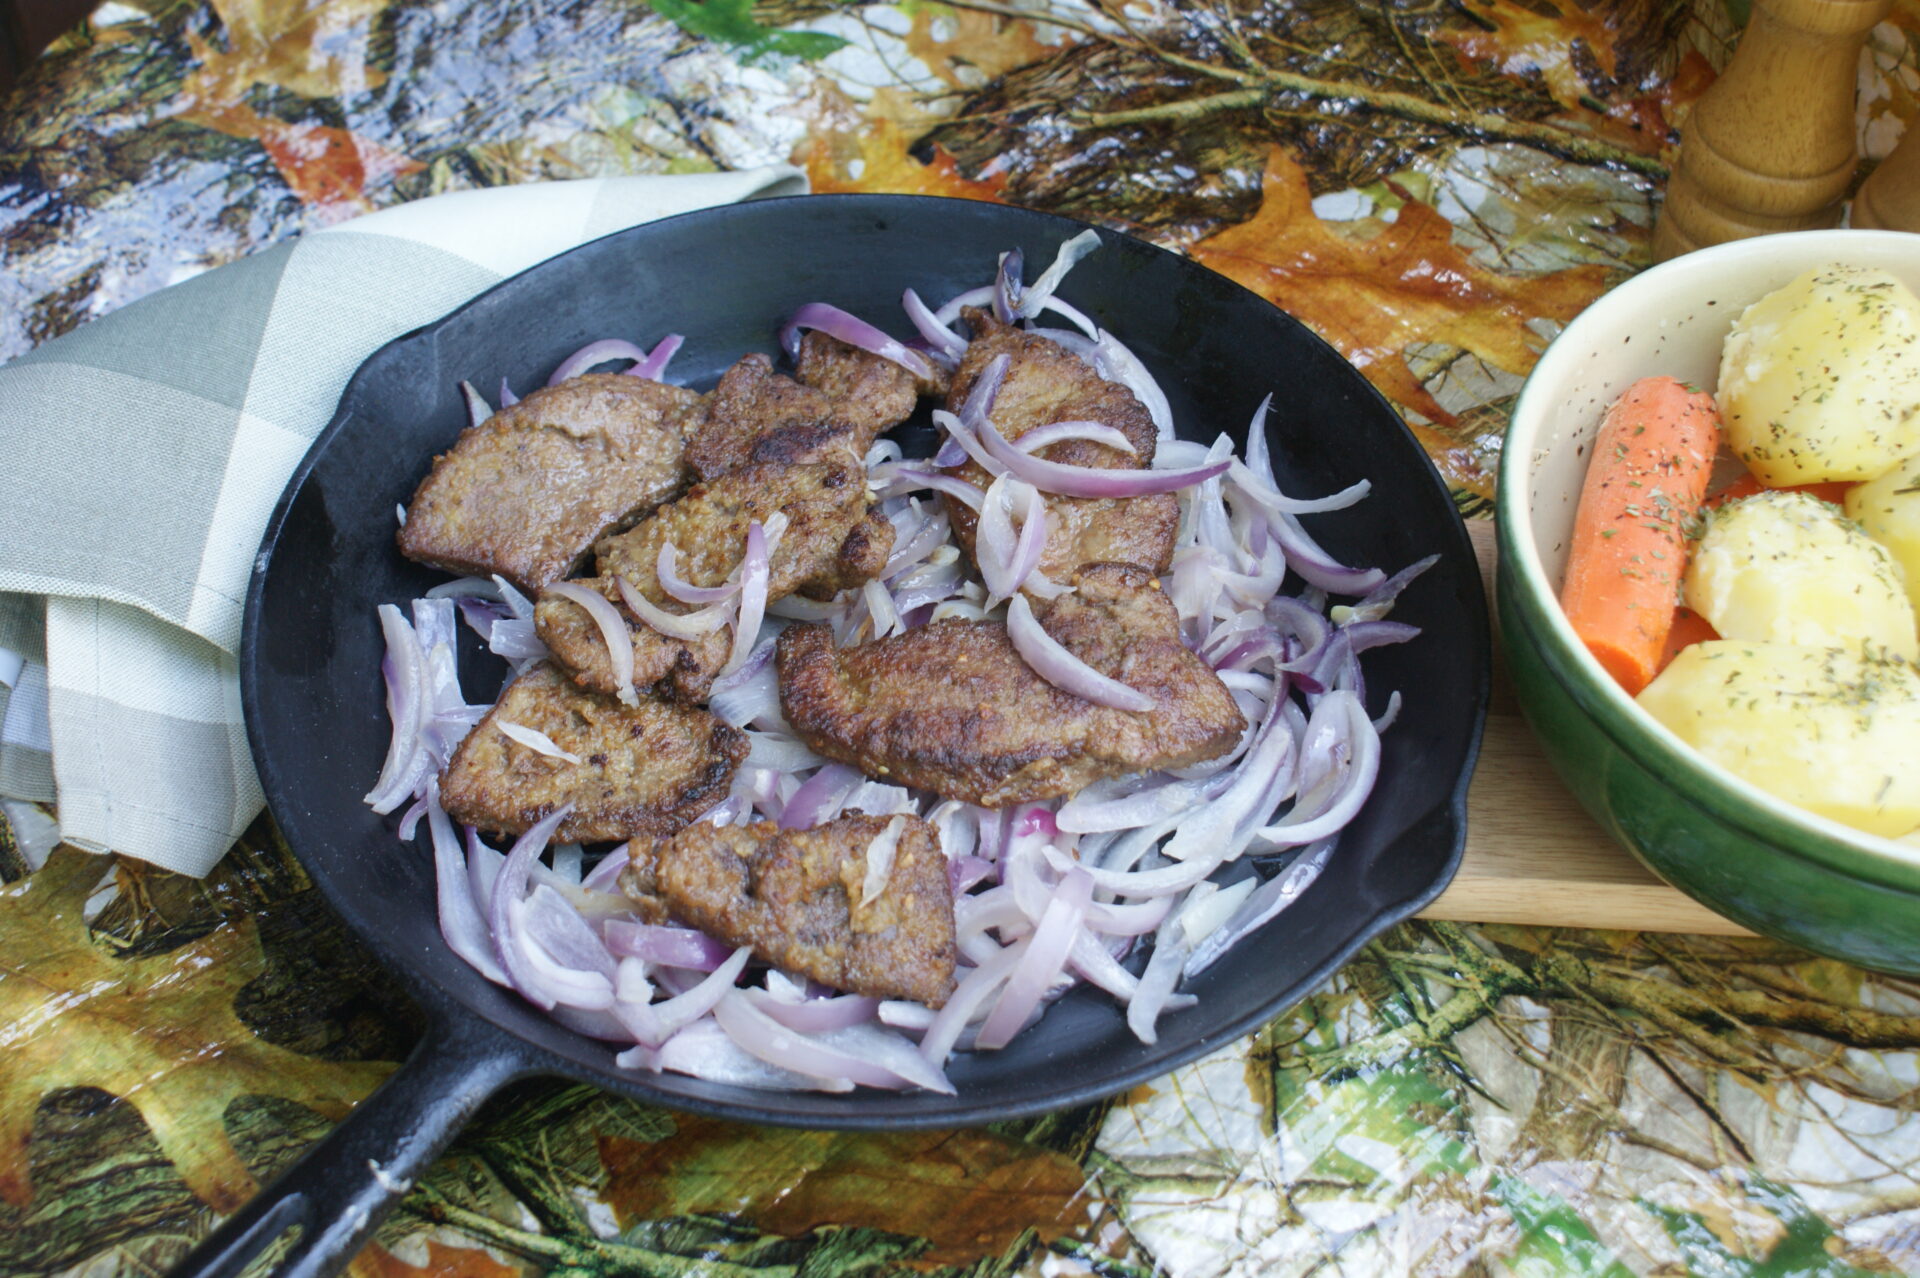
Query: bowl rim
[1729, 798]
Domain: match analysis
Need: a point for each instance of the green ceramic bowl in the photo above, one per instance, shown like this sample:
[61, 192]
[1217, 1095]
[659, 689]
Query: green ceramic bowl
[1765, 864]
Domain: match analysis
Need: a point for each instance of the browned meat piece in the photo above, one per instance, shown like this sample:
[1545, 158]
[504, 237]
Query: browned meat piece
[797, 897]
[862, 557]
[640, 881]
[1046, 383]
[952, 708]
[824, 501]
[843, 400]
[754, 407]
[529, 491]
[679, 669]
[645, 771]
[871, 394]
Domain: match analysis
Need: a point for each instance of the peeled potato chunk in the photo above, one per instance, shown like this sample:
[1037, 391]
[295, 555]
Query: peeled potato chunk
[1783, 567]
[1820, 379]
[1833, 731]
[1888, 510]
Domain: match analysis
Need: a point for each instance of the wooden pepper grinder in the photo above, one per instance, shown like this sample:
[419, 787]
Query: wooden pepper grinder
[1890, 199]
[1770, 147]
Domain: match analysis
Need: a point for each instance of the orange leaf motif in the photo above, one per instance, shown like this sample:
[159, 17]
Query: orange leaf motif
[952, 41]
[872, 156]
[1374, 288]
[158, 1032]
[970, 1194]
[309, 48]
[443, 1261]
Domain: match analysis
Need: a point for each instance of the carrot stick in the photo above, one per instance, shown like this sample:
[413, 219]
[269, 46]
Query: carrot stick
[1646, 480]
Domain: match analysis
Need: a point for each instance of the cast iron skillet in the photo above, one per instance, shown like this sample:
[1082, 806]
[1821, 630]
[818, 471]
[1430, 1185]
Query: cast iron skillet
[310, 661]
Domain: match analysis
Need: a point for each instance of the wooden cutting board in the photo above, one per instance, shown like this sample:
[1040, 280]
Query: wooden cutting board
[1533, 854]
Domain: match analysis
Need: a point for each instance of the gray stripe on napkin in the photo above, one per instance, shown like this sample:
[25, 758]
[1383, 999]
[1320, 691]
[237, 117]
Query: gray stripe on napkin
[345, 296]
[114, 490]
[199, 336]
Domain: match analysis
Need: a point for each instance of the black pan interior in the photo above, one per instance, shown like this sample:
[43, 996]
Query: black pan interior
[725, 278]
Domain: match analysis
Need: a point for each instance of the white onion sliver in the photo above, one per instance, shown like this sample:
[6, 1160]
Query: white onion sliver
[1062, 669]
[613, 629]
[880, 854]
[535, 740]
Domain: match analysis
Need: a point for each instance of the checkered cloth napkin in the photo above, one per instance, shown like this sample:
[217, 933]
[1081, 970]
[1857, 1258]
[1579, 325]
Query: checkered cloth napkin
[141, 455]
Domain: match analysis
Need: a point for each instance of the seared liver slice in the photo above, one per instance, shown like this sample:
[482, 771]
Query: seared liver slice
[528, 492]
[795, 896]
[646, 770]
[952, 707]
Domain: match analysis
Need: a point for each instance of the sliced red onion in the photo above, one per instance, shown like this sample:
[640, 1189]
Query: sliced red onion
[703, 1050]
[503, 917]
[981, 397]
[959, 490]
[965, 873]
[817, 1015]
[1082, 815]
[1062, 669]
[1391, 713]
[1007, 286]
[460, 922]
[1271, 897]
[1156, 986]
[780, 753]
[969, 995]
[1315, 565]
[877, 798]
[1136, 919]
[1093, 962]
[1032, 300]
[478, 410]
[944, 341]
[507, 398]
[535, 740]
[465, 588]
[518, 604]
[605, 875]
[991, 449]
[1045, 954]
[1379, 602]
[931, 534]
[667, 569]
[1361, 773]
[1124, 366]
[652, 1024]
[654, 366]
[1265, 495]
[836, 323]
[754, 574]
[689, 625]
[613, 629]
[1056, 432]
[560, 946]
[406, 709]
[904, 1015]
[950, 310]
[819, 799]
[880, 855]
[602, 352]
[880, 607]
[1006, 558]
[670, 946]
[847, 1054]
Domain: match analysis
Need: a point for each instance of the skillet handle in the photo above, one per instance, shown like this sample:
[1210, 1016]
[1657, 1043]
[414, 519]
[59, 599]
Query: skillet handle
[345, 1185]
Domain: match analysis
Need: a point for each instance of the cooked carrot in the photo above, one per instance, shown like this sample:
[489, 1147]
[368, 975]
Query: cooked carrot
[1645, 482]
[1689, 628]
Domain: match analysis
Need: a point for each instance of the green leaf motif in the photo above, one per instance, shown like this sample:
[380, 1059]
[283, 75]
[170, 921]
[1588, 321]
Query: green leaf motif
[731, 22]
[1803, 1252]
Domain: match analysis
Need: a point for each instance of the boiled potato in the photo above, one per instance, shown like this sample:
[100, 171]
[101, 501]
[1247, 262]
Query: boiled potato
[1835, 731]
[1888, 510]
[1783, 567]
[1821, 379]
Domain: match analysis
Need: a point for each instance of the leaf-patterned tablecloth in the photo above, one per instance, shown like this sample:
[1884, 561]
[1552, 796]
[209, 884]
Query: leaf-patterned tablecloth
[1433, 186]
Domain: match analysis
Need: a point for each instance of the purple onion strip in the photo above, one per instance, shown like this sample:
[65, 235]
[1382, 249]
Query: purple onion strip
[854, 331]
[602, 352]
